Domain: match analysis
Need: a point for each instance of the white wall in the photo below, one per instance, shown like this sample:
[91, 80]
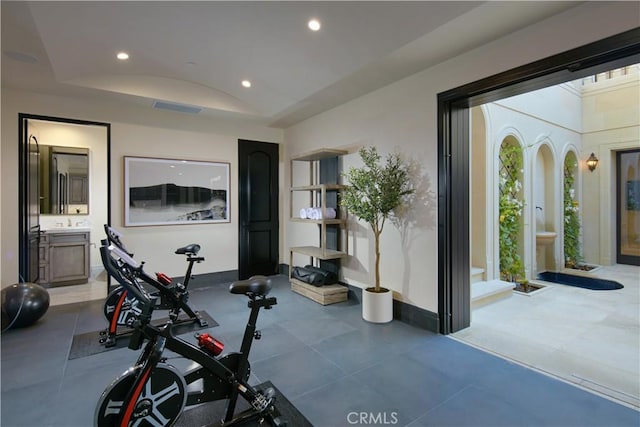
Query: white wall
[598, 117]
[545, 138]
[607, 130]
[481, 254]
[403, 115]
[567, 104]
[135, 131]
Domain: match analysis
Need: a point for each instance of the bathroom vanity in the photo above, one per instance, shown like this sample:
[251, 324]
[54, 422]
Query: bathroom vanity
[63, 256]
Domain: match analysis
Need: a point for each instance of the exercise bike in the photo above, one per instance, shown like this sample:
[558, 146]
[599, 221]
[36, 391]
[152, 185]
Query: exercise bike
[121, 309]
[155, 393]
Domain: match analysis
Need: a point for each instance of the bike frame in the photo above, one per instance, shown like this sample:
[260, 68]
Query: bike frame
[161, 338]
[174, 301]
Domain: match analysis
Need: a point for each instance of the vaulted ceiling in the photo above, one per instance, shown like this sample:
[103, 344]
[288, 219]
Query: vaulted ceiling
[194, 55]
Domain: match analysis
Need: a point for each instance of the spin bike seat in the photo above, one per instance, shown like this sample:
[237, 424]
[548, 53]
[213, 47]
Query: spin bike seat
[191, 249]
[256, 285]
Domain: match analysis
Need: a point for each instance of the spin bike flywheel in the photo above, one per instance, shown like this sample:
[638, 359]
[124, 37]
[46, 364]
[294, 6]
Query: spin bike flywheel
[161, 400]
[129, 311]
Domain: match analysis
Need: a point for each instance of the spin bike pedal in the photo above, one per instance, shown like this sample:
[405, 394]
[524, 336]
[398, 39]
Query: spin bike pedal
[108, 342]
[278, 422]
[269, 414]
[263, 400]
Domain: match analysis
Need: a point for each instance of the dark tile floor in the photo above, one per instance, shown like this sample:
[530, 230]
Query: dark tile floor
[337, 369]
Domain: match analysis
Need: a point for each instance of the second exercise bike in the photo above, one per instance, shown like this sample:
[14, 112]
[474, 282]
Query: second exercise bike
[121, 308]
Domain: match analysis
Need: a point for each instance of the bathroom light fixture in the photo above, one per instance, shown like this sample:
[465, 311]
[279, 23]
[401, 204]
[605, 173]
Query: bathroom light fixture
[592, 162]
[246, 83]
[314, 25]
[122, 56]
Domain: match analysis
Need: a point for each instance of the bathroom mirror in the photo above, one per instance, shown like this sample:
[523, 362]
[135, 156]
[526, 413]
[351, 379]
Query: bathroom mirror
[64, 180]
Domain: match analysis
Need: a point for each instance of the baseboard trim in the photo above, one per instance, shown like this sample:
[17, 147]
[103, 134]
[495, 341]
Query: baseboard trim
[205, 280]
[416, 316]
[283, 269]
[403, 312]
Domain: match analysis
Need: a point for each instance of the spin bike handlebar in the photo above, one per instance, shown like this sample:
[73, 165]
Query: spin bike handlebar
[124, 269]
[115, 238]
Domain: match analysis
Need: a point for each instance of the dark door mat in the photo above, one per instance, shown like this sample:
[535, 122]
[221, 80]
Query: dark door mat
[210, 414]
[580, 281]
[88, 344]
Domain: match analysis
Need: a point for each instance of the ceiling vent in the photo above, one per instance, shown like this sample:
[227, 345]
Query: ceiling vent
[161, 105]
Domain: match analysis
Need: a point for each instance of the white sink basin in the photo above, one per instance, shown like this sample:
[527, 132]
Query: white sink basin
[544, 238]
[67, 230]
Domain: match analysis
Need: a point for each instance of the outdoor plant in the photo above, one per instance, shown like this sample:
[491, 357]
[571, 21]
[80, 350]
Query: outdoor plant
[510, 212]
[572, 249]
[374, 191]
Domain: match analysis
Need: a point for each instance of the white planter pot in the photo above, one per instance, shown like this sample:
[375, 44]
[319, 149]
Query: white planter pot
[377, 307]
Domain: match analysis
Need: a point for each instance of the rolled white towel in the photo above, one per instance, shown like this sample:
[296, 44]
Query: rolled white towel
[309, 213]
[330, 213]
[303, 213]
[316, 213]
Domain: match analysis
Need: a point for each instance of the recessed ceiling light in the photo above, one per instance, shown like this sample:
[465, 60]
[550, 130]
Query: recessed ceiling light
[246, 83]
[314, 25]
[122, 56]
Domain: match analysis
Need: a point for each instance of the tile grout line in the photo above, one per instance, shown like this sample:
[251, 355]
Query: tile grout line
[66, 360]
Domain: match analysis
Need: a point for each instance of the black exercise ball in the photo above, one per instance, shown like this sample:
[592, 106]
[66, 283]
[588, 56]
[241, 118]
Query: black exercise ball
[23, 304]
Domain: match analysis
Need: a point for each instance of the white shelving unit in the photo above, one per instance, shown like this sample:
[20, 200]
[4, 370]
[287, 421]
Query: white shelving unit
[317, 191]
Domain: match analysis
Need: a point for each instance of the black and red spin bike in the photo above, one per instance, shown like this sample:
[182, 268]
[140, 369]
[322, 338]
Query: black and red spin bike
[121, 308]
[154, 393]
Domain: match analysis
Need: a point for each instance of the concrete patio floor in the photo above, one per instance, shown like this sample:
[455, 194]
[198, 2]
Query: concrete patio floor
[588, 338]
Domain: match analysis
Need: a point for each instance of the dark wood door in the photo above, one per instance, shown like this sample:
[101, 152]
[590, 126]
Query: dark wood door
[258, 197]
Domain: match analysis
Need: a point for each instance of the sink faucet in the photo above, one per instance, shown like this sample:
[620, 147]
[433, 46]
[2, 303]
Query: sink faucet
[69, 222]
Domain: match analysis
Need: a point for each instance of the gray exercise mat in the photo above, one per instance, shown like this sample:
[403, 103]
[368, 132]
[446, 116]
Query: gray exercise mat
[210, 414]
[88, 344]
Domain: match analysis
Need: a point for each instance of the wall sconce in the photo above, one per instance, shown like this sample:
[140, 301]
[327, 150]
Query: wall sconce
[592, 162]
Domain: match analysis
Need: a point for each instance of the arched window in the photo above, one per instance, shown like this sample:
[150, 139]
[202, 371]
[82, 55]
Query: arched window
[510, 210]
[571, 212]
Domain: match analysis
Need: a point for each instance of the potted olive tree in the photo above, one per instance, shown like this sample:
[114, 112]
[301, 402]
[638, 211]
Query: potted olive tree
[373, 192]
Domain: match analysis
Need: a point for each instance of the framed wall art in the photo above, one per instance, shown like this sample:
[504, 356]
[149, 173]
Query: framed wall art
[171, 192]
